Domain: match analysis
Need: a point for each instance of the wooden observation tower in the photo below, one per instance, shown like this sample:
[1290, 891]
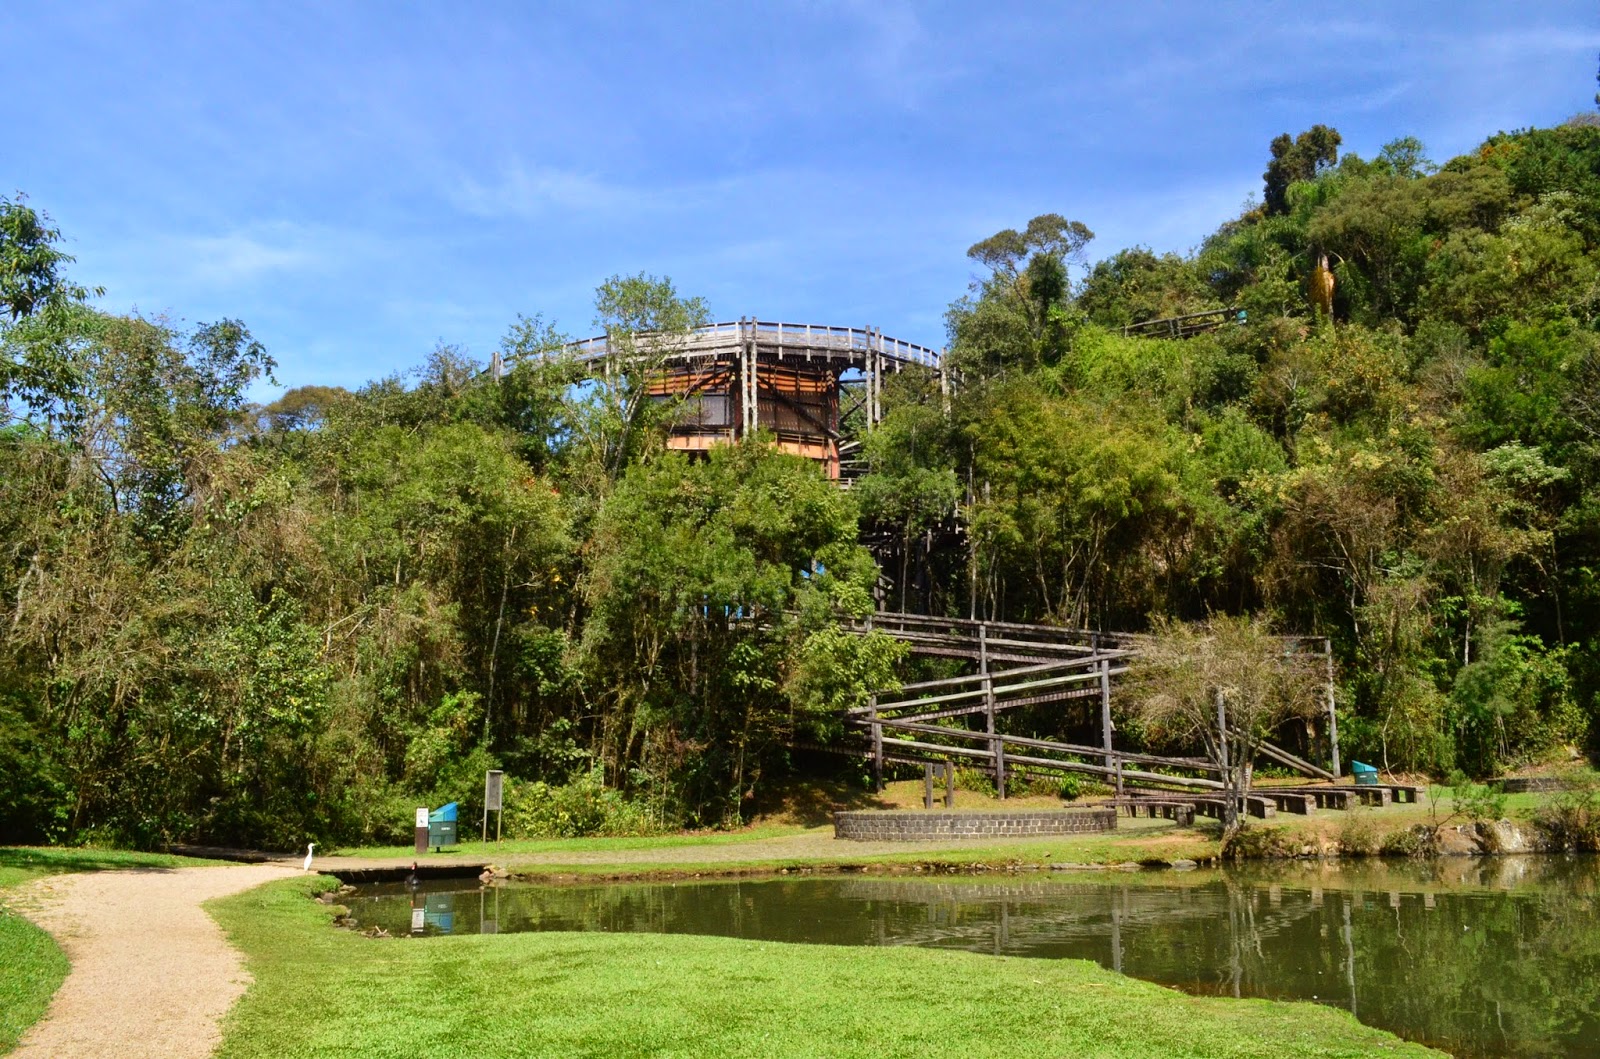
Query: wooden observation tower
[807, 385]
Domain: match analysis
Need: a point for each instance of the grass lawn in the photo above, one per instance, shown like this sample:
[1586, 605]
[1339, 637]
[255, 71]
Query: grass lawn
[320, 991]
[815, 849]
[32, 966]
[790, 846]
[18, 864]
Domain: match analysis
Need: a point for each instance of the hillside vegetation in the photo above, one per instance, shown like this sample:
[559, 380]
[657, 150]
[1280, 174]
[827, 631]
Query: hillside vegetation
[263, 625]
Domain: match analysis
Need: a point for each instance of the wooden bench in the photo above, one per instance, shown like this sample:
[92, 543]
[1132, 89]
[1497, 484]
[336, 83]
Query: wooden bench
[1339, 797]
[1254, 805]
[1180, 812]
[1297, 802]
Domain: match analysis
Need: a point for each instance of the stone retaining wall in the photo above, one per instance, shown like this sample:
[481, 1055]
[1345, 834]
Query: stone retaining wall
[919, 825]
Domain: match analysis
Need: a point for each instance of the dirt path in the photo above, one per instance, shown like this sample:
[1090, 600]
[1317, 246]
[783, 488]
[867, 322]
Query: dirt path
[151, 973]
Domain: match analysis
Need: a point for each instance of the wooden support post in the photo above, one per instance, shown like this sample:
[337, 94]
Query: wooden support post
[877, 746]
[949, 784]
[1105, 707]
[872, 384]
[736, 426]
[752, 415]
[995, 746]
[742, 372]
[927, 785]
[876, 338]
[1333, 719]
[879, 332]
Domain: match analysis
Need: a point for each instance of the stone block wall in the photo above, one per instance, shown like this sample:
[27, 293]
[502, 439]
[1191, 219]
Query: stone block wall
[914, 825]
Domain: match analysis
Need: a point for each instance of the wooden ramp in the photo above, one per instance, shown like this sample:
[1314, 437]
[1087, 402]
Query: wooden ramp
[1018, 665]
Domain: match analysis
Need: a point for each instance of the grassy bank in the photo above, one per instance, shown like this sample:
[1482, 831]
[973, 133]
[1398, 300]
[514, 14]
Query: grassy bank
[32, 966]
[815, 849]
[774, 848]
[320, 991]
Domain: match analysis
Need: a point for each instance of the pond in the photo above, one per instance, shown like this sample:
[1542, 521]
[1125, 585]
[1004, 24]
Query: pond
[1480, 957]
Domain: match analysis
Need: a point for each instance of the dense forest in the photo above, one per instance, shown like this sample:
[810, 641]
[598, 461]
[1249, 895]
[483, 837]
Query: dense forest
[266, 624]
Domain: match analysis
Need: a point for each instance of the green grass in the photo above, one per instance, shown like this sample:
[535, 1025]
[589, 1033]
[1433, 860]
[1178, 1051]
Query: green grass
[766, 850]
[32, 966]
[18, 864]
[320, 991]
[758, 849]
[777, 848]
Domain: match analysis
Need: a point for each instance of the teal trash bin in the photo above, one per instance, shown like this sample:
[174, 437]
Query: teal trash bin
[442, 826]
[1366, 775]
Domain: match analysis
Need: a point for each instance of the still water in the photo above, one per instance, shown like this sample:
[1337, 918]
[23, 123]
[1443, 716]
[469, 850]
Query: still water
[1480, 957]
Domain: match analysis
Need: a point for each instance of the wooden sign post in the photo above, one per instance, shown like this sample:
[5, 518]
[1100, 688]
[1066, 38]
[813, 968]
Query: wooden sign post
[422, 830]
[493, 788]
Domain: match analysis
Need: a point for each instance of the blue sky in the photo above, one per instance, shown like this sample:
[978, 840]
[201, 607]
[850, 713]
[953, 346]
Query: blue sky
[359, 182]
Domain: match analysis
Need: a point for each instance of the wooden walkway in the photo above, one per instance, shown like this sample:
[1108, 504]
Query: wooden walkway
[1186, 326]
[1024, 665]
[812, 387]
[854, 346]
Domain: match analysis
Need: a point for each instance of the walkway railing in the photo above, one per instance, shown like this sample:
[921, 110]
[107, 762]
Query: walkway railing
[1023, 665]
[771, 337]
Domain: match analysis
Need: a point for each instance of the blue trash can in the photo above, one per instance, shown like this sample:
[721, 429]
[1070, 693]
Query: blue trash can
[1366, 775]
[442, 826]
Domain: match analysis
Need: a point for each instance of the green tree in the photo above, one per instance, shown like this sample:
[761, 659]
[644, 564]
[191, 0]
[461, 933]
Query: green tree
[1226, 683]
[1299, 158]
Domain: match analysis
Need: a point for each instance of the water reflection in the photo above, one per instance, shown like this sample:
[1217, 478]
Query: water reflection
[1478, 956]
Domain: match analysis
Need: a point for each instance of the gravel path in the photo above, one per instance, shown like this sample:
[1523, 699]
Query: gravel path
[151, 974]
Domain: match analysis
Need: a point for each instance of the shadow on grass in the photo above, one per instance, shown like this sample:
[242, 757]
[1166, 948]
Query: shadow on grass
[812, 804]
[43, 860]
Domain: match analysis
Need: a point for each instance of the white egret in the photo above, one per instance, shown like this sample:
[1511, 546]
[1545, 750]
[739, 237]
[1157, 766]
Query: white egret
[307, 865]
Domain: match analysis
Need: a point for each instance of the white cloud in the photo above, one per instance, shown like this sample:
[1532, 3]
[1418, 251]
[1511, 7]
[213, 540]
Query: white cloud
[196, 269]
[242, 256]
[531, 191]
[537, 191]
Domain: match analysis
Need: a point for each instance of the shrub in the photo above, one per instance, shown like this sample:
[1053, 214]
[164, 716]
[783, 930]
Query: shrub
[1478, 802]
[1358, 835]
[1570, 819]
[1412, 842]
[1254, 842]
[974, 780]
[582, 808]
